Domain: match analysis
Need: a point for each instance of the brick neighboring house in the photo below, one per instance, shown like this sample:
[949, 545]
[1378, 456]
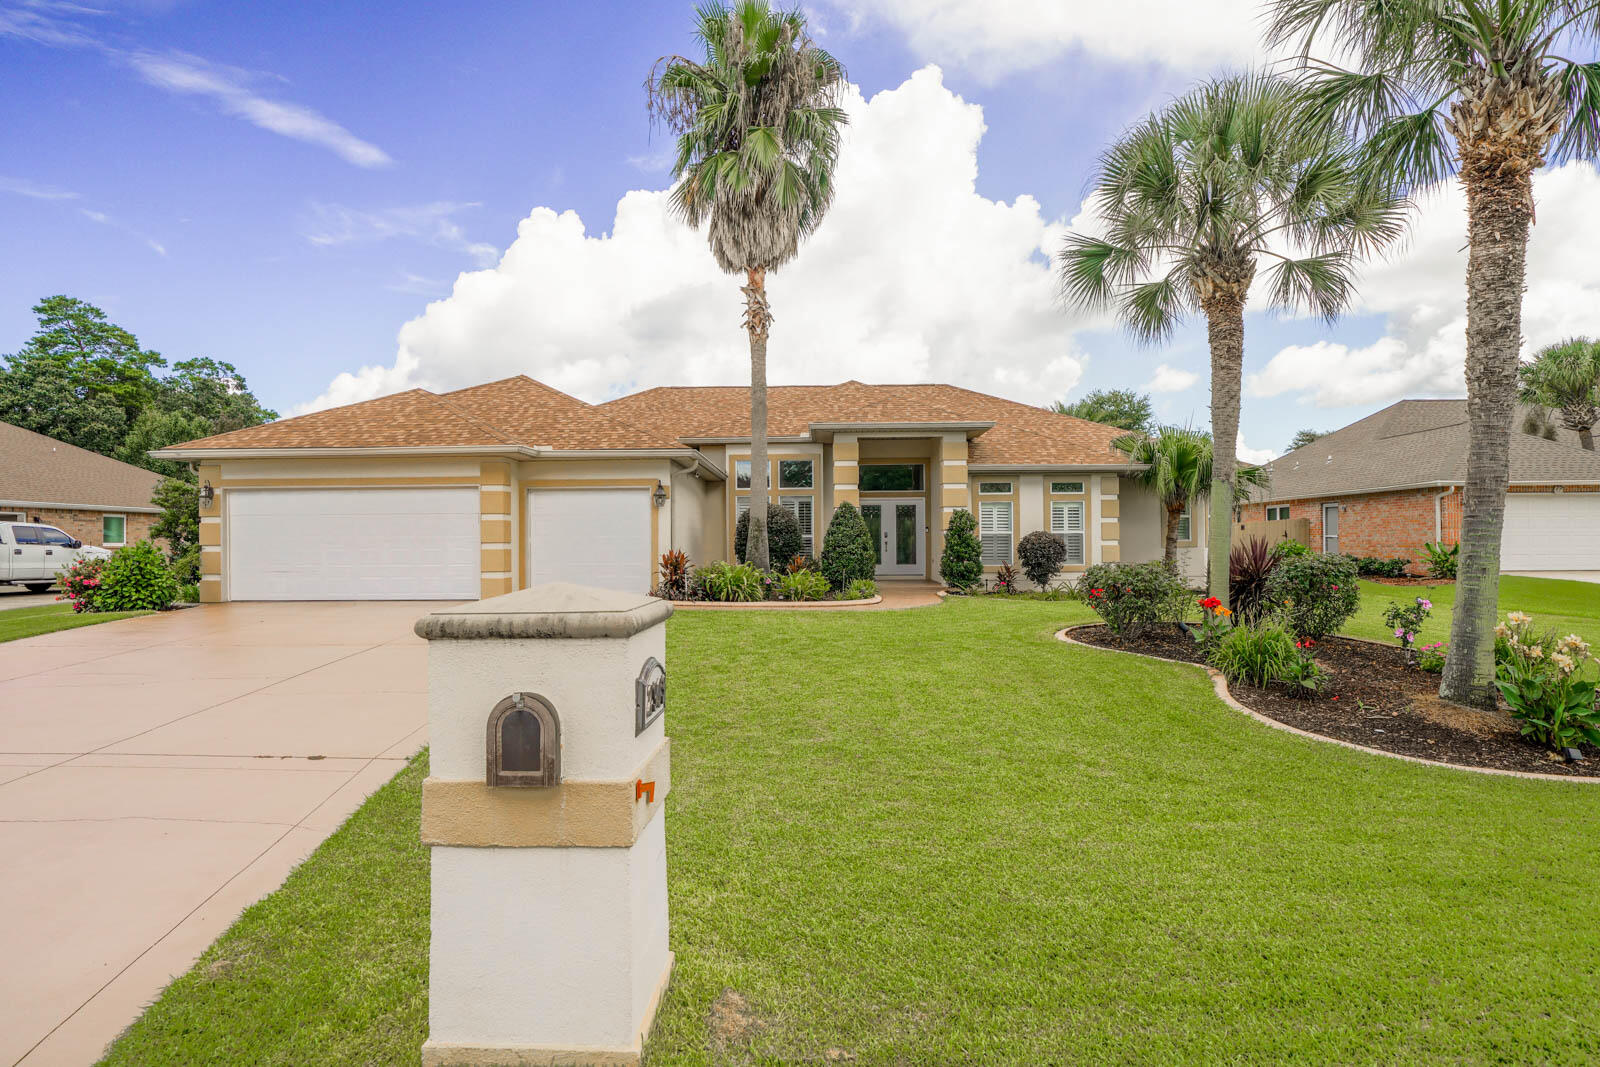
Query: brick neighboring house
[97, 499]
[1387, 484]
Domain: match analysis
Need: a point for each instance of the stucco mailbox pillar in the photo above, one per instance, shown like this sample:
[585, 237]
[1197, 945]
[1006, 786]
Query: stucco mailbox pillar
[544, 810]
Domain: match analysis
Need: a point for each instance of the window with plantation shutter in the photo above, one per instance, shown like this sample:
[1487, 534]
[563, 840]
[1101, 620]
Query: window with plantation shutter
[1066, 522]
[994, 531]
[800, 508]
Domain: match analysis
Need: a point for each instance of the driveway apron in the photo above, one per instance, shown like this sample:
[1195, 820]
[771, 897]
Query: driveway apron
[160, 774]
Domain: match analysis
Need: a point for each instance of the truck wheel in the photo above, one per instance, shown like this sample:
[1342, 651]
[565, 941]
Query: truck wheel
[39, 587]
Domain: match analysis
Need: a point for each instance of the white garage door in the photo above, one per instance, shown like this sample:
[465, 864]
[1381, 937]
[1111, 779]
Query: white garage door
[353, 544]
[1551, 532]
[598, 537]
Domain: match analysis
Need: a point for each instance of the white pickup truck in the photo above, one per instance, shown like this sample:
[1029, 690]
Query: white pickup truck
[32, 554]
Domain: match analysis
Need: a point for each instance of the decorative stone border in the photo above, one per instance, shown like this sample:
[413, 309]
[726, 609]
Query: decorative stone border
[772, 605]
[1220, 684]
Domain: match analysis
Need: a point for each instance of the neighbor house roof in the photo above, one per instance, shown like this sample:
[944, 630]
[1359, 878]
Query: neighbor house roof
[522, 412]
[40, 470]
[1022, 435]
[511, 412]
[1416, 443]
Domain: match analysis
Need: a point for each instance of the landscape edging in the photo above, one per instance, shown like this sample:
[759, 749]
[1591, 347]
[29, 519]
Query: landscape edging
[773, 605]
[1220, 684]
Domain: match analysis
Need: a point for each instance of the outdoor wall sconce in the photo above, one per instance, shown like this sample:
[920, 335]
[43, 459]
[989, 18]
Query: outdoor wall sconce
[207, 495]
[659, 497]
[523, 743]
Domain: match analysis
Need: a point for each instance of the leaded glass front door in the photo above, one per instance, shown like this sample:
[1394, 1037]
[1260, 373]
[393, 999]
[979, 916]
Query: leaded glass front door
[898, 535]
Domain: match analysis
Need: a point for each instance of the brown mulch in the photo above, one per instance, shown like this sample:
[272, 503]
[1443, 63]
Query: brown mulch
[1373, 698]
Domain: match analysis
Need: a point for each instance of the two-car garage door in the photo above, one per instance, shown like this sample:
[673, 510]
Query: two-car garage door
[353, 544]
[424, 543]
[1551, 532]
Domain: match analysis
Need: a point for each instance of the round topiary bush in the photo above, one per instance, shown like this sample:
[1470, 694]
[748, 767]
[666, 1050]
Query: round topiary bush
[136, 578]
[783, 536]
[1316, 594]
[1041, 554]
[847, 554]
[961, 565]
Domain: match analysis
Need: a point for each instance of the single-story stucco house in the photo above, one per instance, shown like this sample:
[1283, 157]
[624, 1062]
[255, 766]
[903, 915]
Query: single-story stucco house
[1388, 483]
[96, 499]
[501, 486]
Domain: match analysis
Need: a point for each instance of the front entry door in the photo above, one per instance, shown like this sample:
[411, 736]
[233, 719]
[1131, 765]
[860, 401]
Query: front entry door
[898, 535]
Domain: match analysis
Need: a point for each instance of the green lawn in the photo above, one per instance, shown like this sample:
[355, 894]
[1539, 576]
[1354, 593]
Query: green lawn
[941, 836]
[17, 623]
[1569, 607]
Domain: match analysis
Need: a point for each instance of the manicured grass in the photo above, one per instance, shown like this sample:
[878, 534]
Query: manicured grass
[942, 836]
[331, 968]
[1569, 607]
[16, 623]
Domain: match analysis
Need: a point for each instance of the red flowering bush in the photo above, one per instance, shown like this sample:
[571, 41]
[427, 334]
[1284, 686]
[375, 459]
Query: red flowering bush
[81, 583]
[1132, 596]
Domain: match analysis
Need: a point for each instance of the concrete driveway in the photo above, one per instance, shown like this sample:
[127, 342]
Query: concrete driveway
[158, 775]
[1566, 576]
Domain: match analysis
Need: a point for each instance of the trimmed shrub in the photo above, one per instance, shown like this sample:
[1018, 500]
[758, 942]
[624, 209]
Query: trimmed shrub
[847, 548]
[1375, 567]
[1249, 564]
[860, 589]
[1133, 596]
[783, 535]
[961, 565]
[136, 578]
[1041, 554]
[1315, 595]
[803, 585]
[730, 582]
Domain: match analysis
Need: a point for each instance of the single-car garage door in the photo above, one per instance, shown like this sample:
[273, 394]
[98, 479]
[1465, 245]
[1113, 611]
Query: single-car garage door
[1551, 532]
[598, 537]
[353, 544]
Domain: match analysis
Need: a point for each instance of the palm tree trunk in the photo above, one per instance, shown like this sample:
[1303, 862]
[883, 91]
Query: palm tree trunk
[757, 320]
[1225, 331]
[1174, 513]
[1586, 438]
[1499, 209]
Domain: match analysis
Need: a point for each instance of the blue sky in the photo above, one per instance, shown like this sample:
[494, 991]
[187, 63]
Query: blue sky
[286, 186]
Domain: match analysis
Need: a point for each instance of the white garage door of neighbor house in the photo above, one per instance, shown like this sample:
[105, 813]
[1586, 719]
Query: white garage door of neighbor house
[353, 544]
[1551, 532]
[598, 537]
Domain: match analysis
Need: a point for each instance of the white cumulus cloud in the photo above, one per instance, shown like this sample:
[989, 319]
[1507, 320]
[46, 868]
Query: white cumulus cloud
[1170, 379]
[1422, 291]
[997, 37]
[913, 276]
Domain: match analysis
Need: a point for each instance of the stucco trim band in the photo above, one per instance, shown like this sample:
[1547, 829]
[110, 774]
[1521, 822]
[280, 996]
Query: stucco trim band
[574, 814]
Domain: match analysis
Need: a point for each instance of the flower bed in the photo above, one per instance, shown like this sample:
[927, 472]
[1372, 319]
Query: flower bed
[1371, 696]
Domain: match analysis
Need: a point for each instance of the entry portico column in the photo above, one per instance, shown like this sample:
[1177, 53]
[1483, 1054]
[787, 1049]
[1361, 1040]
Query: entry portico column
[544, 809]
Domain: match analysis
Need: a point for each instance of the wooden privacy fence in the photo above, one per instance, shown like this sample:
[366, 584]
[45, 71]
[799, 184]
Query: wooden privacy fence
[1274, 530]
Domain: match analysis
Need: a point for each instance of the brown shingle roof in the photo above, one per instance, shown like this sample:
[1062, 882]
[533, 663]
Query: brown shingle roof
[521, 411]
[1022, 434]
[1417, 442]
[42, 470]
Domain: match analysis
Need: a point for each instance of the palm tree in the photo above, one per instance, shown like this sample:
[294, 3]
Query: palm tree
[1193, 199]
[1482, 89]
[758, 124]
[1178, 470]
[1566, 377]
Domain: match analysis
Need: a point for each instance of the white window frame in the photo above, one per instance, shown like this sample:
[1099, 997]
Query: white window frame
[808, 461]
[1186, 525]
[1055, 487]
[1009, 486]
[107, 542]
[1277, 512]
[990, 531]
[1066, 523]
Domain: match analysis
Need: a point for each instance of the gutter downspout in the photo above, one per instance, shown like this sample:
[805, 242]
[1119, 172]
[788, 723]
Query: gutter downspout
[1438, 513]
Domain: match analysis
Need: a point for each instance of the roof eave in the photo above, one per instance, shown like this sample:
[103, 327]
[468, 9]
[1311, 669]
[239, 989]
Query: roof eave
[992, 468]
[261, 452]
[143, 509]
[824, 431]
